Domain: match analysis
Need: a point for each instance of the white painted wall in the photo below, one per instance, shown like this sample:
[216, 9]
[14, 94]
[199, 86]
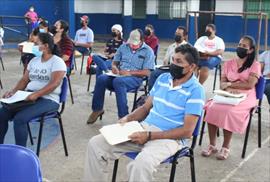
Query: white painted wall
[229, 6]
[193, 5]
[127, 7]
[151, 7]
[99, 6]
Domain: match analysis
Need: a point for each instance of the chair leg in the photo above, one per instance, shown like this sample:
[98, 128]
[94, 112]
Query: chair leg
[259, 128]
[246, 137]
[215, 78]
[115, 167]
[89, 80]
[75, 64]
[134, 100]
[201, 133]
[2, 63]
[172, 174]
[63, 134]
[30, 134]
[70, 89]
[192, 166]
[1, 85]
[82, 64]
[40, 136]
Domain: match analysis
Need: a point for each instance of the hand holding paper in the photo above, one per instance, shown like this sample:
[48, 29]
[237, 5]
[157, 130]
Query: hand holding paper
[18, 96]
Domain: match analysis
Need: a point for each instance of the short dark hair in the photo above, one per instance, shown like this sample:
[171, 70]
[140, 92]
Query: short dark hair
[46, 38]
[211, 25]
[44, 23]
[191, 54]
[184, 29]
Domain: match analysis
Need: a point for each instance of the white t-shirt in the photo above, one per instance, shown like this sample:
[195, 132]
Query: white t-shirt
[84, 35]
[205, 44]
[265, 58]
[40, 75]
[1, 36]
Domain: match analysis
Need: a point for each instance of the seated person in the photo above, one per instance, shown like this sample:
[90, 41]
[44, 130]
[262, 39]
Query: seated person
[64, 43]
[134, 61]
[168, 116]
[43, 26]
[150, 38]
[210, 47]
[239, 75]
[43, 76]
[104, 62]
[180, 39]
[265, 60]
[84, 37]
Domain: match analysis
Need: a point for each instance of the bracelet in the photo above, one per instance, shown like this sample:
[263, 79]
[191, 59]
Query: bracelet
[149, 135]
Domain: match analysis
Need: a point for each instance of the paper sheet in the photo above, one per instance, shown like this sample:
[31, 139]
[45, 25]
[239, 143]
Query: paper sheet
[117, 133]
[110, 73]
[18, 96]
[27, 46]
[228, 94]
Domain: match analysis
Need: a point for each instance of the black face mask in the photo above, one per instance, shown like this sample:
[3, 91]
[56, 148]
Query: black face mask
[114, 34]
[178, 38]
[176, 71]
[208, 33]
[241, 52]
[147, 32]
[82, 24]
[53, 30]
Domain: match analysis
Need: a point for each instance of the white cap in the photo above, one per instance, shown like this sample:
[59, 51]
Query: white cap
[117, 27]
[134, 37]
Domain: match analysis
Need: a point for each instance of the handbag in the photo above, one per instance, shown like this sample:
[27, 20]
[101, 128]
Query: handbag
[17, 106]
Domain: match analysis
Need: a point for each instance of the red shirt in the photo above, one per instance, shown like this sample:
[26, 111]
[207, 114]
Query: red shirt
[152, 41]
[65, 46]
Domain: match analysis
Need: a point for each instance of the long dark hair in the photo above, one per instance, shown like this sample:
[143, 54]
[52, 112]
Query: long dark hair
[46, 38]
[65, 26]
[250, 57]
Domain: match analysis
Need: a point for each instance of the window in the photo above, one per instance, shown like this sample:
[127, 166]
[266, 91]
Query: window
[257, 6]
[169, 9]
[139, 8]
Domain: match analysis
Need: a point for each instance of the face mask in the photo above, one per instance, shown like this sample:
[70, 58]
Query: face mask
[53, 30]
[82, 23]
[42, 30]
[176, 71]
[31, 9]
[147, 32]
[208, 33]
[36, 51]
[241, 52]
[134, 47]
[114, 34]
[178, 38]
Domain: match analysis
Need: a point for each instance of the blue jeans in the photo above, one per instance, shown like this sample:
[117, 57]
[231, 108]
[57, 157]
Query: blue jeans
[209, 63]
[20, 119]
[154, 75]
[82, 50]
[267, 90]
[120, 85]
[102, 64]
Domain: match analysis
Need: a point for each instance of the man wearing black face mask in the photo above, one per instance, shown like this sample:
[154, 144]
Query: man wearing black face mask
[210, 47]
[84, 37]
[149, 37]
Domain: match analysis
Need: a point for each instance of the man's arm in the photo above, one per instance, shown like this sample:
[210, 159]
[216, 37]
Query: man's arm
[86, 45]
[139, 73]
[215, 53]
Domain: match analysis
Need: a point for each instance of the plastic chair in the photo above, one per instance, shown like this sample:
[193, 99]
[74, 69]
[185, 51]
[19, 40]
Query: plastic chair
[1, 85]
[50, 115]
[2, 63]
[18, 163]
[72, 63]
[184, 152]
[217, 68]
[259, 95]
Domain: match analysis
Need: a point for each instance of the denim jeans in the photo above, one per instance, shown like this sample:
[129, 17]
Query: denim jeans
[154, 75]
[20, 119]
[267, 90]
[210, 63]
[120, 85]
[82, 50]
[102, 64]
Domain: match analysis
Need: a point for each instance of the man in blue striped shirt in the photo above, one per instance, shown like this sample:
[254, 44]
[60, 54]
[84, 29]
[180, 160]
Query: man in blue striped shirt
[131, 63]
[169, 116]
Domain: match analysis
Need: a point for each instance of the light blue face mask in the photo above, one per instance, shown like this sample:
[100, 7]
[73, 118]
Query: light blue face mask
[42, 30]
[36, 51]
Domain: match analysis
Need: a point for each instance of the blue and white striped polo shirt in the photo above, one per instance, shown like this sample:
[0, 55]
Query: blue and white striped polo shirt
[170, 105]
[143, 58]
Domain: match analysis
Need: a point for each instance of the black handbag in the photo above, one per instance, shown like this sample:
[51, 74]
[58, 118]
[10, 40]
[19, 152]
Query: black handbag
[17, 106]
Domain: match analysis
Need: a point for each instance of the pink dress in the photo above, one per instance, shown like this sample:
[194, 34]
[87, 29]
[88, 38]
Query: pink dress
[230, 117]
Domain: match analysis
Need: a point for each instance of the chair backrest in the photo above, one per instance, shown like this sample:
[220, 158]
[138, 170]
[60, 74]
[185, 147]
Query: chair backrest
[18, 163]
[156, 50]
[260, 87]
[196, 131]
[64, 88]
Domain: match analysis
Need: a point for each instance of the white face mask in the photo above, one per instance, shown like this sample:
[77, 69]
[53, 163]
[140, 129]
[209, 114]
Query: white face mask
[31, 9]
[42, 30]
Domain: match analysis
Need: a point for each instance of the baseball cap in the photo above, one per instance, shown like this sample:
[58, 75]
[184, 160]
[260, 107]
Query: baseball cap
[84, 18]
[117, 27]
[134, 37]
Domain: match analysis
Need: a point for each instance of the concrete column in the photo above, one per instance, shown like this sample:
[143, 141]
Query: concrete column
[127, 17]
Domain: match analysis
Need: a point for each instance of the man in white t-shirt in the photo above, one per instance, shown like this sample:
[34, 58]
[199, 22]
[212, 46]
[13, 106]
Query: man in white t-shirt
[264, 58]
[84, 37]
[211, 48]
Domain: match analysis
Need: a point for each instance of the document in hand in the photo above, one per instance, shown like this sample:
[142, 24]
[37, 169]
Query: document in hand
[117, 133]
[110, 73]
[18, 96]
[27, 47]
[224, 97]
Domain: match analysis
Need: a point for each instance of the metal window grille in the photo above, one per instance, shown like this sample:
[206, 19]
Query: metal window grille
[257, 6]
[139, 8]
[169, 9]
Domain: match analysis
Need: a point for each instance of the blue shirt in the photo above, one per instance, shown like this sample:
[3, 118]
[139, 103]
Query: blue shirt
[141, 59]
[171, 104]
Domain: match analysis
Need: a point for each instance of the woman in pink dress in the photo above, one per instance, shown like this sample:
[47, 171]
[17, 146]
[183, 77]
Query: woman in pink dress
[239, 75]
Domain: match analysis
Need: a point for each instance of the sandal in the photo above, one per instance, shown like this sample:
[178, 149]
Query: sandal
[223, 154]
[211, 149]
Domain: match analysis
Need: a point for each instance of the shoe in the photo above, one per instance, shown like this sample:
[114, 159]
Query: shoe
[94, 116]
[223, 154]
[209, 151]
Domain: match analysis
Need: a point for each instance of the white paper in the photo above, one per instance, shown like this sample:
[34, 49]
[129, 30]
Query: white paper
[228, 100]
[110, 73]
[228, 94]
[27, 46]
[18, 96]
[163, 67]
[117, 133]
